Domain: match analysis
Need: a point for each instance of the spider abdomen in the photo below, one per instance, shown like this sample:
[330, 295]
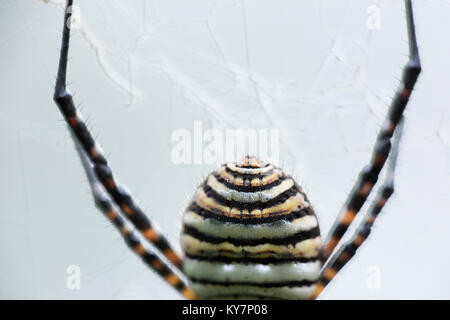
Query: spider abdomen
[250, 232]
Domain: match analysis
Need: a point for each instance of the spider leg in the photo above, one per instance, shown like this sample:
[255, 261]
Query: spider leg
[369, 175]
[104, 203]
[99, 163]
[340, 258]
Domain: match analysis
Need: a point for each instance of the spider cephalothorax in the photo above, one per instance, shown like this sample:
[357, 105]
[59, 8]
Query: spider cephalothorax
[249, 230]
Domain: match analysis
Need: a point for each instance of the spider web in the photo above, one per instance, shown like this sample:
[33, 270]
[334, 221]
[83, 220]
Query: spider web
[314, 72]
[321, 72]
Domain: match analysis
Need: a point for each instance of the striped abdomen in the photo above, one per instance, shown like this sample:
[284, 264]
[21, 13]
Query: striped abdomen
[250, 232]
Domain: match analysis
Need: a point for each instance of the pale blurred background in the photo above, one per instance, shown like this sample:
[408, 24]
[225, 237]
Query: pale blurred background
[322, 72]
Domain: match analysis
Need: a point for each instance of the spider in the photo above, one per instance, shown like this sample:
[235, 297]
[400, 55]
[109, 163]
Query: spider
[249, 231]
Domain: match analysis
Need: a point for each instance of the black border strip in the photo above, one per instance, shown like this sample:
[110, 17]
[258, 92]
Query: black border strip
[227, 309]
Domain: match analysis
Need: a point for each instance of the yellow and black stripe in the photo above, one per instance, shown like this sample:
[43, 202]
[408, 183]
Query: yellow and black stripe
[108, 194]
[347, 251]
[250, 231]
[369, 175]
[83, 137]
[128, 233]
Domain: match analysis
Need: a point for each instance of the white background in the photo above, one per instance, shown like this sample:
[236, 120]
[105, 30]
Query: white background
[141, 69]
